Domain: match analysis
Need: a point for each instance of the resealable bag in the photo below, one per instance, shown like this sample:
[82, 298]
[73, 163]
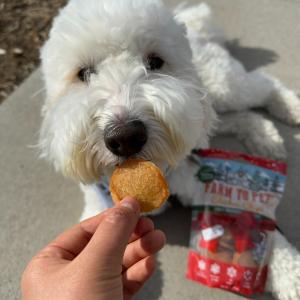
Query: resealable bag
[231, 233]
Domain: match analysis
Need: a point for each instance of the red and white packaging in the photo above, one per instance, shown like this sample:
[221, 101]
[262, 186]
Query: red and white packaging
[231, 234]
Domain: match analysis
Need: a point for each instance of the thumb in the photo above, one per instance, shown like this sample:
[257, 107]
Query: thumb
[106, 248]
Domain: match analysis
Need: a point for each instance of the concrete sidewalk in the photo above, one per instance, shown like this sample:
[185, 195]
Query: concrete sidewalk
[36, 204]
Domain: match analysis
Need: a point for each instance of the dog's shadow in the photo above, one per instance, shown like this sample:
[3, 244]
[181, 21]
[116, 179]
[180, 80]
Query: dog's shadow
[251, 58]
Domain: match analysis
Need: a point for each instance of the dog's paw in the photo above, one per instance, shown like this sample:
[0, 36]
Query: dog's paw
[293, 117]
[290, 109]
[284, 270]
[286, 286]
[272, 148]
[285, 105]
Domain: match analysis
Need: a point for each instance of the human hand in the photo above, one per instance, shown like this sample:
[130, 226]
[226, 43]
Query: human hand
[109, 256]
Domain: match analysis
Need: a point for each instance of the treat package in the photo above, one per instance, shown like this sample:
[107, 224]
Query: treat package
[231, 234]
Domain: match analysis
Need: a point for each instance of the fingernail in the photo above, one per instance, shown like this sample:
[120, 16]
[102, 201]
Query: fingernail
[130, 203]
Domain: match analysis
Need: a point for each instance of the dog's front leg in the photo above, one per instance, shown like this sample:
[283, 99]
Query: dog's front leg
[284, 270]
[94, 202]
[184, 183]
[256, 132]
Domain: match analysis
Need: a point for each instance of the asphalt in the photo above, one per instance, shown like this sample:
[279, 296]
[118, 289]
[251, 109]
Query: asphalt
[36, 203]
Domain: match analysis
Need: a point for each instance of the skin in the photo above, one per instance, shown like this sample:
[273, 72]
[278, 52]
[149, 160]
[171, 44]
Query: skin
[109, 256]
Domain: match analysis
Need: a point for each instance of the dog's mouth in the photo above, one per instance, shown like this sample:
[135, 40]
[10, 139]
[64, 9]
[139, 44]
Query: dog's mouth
[129, 139]
[164, 167]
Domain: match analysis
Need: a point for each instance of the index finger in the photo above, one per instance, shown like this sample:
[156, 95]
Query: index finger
[71, 242]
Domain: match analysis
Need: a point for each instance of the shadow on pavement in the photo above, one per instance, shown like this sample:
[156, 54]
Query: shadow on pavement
[175, 223]
[252, 58]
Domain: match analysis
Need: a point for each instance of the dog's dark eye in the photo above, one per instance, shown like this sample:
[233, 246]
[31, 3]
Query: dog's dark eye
[154, 62]
[84, 74]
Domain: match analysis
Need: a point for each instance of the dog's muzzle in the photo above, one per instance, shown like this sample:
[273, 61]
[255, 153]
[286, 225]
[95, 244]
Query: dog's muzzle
[125, 139]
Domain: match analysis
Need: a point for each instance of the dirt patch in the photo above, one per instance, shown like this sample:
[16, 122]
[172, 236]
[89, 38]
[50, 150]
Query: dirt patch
[24, 26]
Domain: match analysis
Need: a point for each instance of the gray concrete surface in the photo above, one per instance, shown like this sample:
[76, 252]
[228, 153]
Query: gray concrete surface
[36, 204]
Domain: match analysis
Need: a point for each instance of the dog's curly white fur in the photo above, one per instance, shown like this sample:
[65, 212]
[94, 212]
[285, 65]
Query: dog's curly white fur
[97, 74]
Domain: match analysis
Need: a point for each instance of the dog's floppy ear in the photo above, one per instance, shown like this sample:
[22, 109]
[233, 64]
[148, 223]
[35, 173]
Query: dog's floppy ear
[196, 16]
[198, 20]
[176, 12]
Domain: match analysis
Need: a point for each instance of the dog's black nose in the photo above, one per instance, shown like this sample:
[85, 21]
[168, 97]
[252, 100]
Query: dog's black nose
[126, 139]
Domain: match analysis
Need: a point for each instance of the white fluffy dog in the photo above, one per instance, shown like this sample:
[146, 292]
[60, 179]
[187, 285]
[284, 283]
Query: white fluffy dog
[130, 78]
